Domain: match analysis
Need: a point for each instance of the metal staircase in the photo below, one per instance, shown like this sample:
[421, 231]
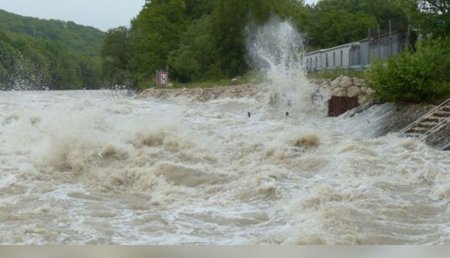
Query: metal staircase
[430, 123]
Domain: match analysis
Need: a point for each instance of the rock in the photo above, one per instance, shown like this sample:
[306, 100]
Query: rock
[325, 85]
[336, 82]
[340, 92]
[370, 91]
[321, 83]
[236, 81]
[353, 91]
[362, 100]
[364, 89]
[346, 82]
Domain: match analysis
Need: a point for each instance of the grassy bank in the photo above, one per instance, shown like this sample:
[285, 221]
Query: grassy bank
[333, 74]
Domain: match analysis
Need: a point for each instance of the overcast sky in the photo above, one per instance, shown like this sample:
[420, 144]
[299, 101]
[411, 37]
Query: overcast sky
[311, 1]
[102, 14]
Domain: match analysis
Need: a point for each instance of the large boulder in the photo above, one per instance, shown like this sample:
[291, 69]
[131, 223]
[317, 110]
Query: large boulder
[370, 91]
[353, 91]
[346, 82]
[362, 100]
[336, 82]
[364, 89]
[340, 92]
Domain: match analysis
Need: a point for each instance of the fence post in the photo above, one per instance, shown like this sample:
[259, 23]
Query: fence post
[391, 51]
[408, 33]
[379, 45]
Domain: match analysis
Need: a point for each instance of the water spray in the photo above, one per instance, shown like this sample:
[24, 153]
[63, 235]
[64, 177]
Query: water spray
[276, 50]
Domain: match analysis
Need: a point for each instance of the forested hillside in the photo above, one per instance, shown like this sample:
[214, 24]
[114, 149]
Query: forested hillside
[48, 54]
[197, 40]
[205, 39]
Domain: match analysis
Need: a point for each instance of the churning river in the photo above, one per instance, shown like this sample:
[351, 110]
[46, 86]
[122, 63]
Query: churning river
[103, 167]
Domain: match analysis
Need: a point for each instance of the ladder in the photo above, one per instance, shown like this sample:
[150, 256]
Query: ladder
[430, 123]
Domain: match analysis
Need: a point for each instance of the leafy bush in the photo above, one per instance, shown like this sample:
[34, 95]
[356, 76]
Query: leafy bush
[415, 76]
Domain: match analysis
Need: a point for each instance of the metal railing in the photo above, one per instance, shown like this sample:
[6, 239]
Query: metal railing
[435, 129]
[413, 124]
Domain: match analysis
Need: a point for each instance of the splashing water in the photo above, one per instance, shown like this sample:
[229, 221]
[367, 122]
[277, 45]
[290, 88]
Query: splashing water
[276, 50]
[101, 167]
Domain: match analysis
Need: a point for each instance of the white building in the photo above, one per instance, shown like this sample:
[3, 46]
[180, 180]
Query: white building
[339, 57]
[356, 55]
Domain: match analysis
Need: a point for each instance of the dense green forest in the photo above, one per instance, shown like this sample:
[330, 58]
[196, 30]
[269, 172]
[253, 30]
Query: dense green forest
[48, 54]
[201, 40]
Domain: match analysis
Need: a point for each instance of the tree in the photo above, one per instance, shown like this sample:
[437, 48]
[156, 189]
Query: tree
[196, 59]
[230, 19]
[334, 22]
[40, 54]
[196, 9]
[154, 34]
[431, 16]
[115, 57]
[335, 27]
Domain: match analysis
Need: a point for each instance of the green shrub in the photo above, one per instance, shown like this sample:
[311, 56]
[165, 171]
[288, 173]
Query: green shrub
[418, 76]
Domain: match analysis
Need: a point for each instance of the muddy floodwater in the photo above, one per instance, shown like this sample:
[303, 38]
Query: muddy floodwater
[103, 167]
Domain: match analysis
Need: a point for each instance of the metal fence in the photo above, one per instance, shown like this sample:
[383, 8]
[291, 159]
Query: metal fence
[380, 48]
[357, 55]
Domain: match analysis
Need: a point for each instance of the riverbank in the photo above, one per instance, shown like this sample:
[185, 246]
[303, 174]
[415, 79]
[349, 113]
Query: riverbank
[397, 117]
[152, 171]
[205, 94]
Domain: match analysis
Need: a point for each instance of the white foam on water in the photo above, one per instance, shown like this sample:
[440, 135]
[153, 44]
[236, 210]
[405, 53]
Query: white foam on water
[101, 167]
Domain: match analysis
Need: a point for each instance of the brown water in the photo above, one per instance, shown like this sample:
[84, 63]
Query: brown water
[103, 167]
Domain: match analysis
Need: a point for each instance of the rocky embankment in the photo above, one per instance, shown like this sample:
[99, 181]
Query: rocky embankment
[345, 86]
[204, 94]
[402, 115]
[341, 86]
[394, 120]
